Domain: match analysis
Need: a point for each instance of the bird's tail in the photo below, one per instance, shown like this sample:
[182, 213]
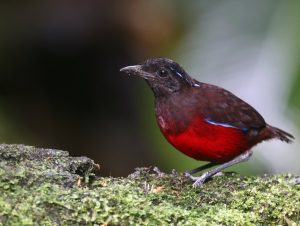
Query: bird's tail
[273, 132]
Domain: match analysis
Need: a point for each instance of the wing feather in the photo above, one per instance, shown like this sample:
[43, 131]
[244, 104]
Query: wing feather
[221, 106]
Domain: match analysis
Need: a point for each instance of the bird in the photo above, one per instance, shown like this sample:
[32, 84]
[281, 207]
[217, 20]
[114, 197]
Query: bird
[203, 121]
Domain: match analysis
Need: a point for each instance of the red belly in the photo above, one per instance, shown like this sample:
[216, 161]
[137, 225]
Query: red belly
[208, 142]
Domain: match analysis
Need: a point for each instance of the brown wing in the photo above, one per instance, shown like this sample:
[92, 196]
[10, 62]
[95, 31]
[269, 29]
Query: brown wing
[221, 106]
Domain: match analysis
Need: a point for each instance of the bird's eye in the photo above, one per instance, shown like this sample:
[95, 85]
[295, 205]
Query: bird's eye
[162, 73]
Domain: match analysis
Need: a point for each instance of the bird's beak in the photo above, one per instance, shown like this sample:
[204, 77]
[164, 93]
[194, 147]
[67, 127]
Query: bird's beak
[138, 71]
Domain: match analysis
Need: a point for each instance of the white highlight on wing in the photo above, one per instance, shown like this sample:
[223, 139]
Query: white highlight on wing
[224, 124]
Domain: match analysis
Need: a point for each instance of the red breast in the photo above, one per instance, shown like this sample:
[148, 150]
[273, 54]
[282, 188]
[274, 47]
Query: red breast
[188, 132]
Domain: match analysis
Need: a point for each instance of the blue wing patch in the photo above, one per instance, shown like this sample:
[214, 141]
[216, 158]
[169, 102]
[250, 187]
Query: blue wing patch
[225, 125]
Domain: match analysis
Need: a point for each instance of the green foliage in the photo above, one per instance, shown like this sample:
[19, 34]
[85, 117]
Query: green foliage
[47, 187]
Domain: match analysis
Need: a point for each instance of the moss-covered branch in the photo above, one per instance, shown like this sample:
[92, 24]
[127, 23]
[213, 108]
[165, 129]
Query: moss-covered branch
[48, 187]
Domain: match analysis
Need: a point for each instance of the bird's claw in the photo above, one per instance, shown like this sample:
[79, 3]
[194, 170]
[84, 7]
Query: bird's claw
[199, 181]
[219, 174]
[188, 175]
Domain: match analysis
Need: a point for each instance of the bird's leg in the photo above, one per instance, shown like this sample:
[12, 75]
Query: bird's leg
[198, 169]
[241, 158]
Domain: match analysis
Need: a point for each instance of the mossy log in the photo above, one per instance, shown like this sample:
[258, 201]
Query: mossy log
[48, 187]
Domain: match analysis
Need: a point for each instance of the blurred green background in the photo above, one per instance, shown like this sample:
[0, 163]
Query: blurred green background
[60, 85]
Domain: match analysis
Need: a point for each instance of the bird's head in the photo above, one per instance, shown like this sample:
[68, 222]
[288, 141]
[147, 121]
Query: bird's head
[164, 76]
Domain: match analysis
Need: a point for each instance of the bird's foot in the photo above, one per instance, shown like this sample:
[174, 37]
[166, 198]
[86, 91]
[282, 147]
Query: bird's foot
[199, 181]
[218, 174]
[188, 175]
[205, 176]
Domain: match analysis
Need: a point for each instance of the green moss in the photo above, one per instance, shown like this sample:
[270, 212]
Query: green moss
[41, 186]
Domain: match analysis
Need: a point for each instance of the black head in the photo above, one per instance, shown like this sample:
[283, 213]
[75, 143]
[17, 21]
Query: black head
[164, 76]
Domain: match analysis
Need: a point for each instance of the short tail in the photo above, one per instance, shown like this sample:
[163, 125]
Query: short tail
[273, 132]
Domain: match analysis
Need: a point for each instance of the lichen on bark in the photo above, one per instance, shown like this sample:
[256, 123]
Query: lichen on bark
[48, 187]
